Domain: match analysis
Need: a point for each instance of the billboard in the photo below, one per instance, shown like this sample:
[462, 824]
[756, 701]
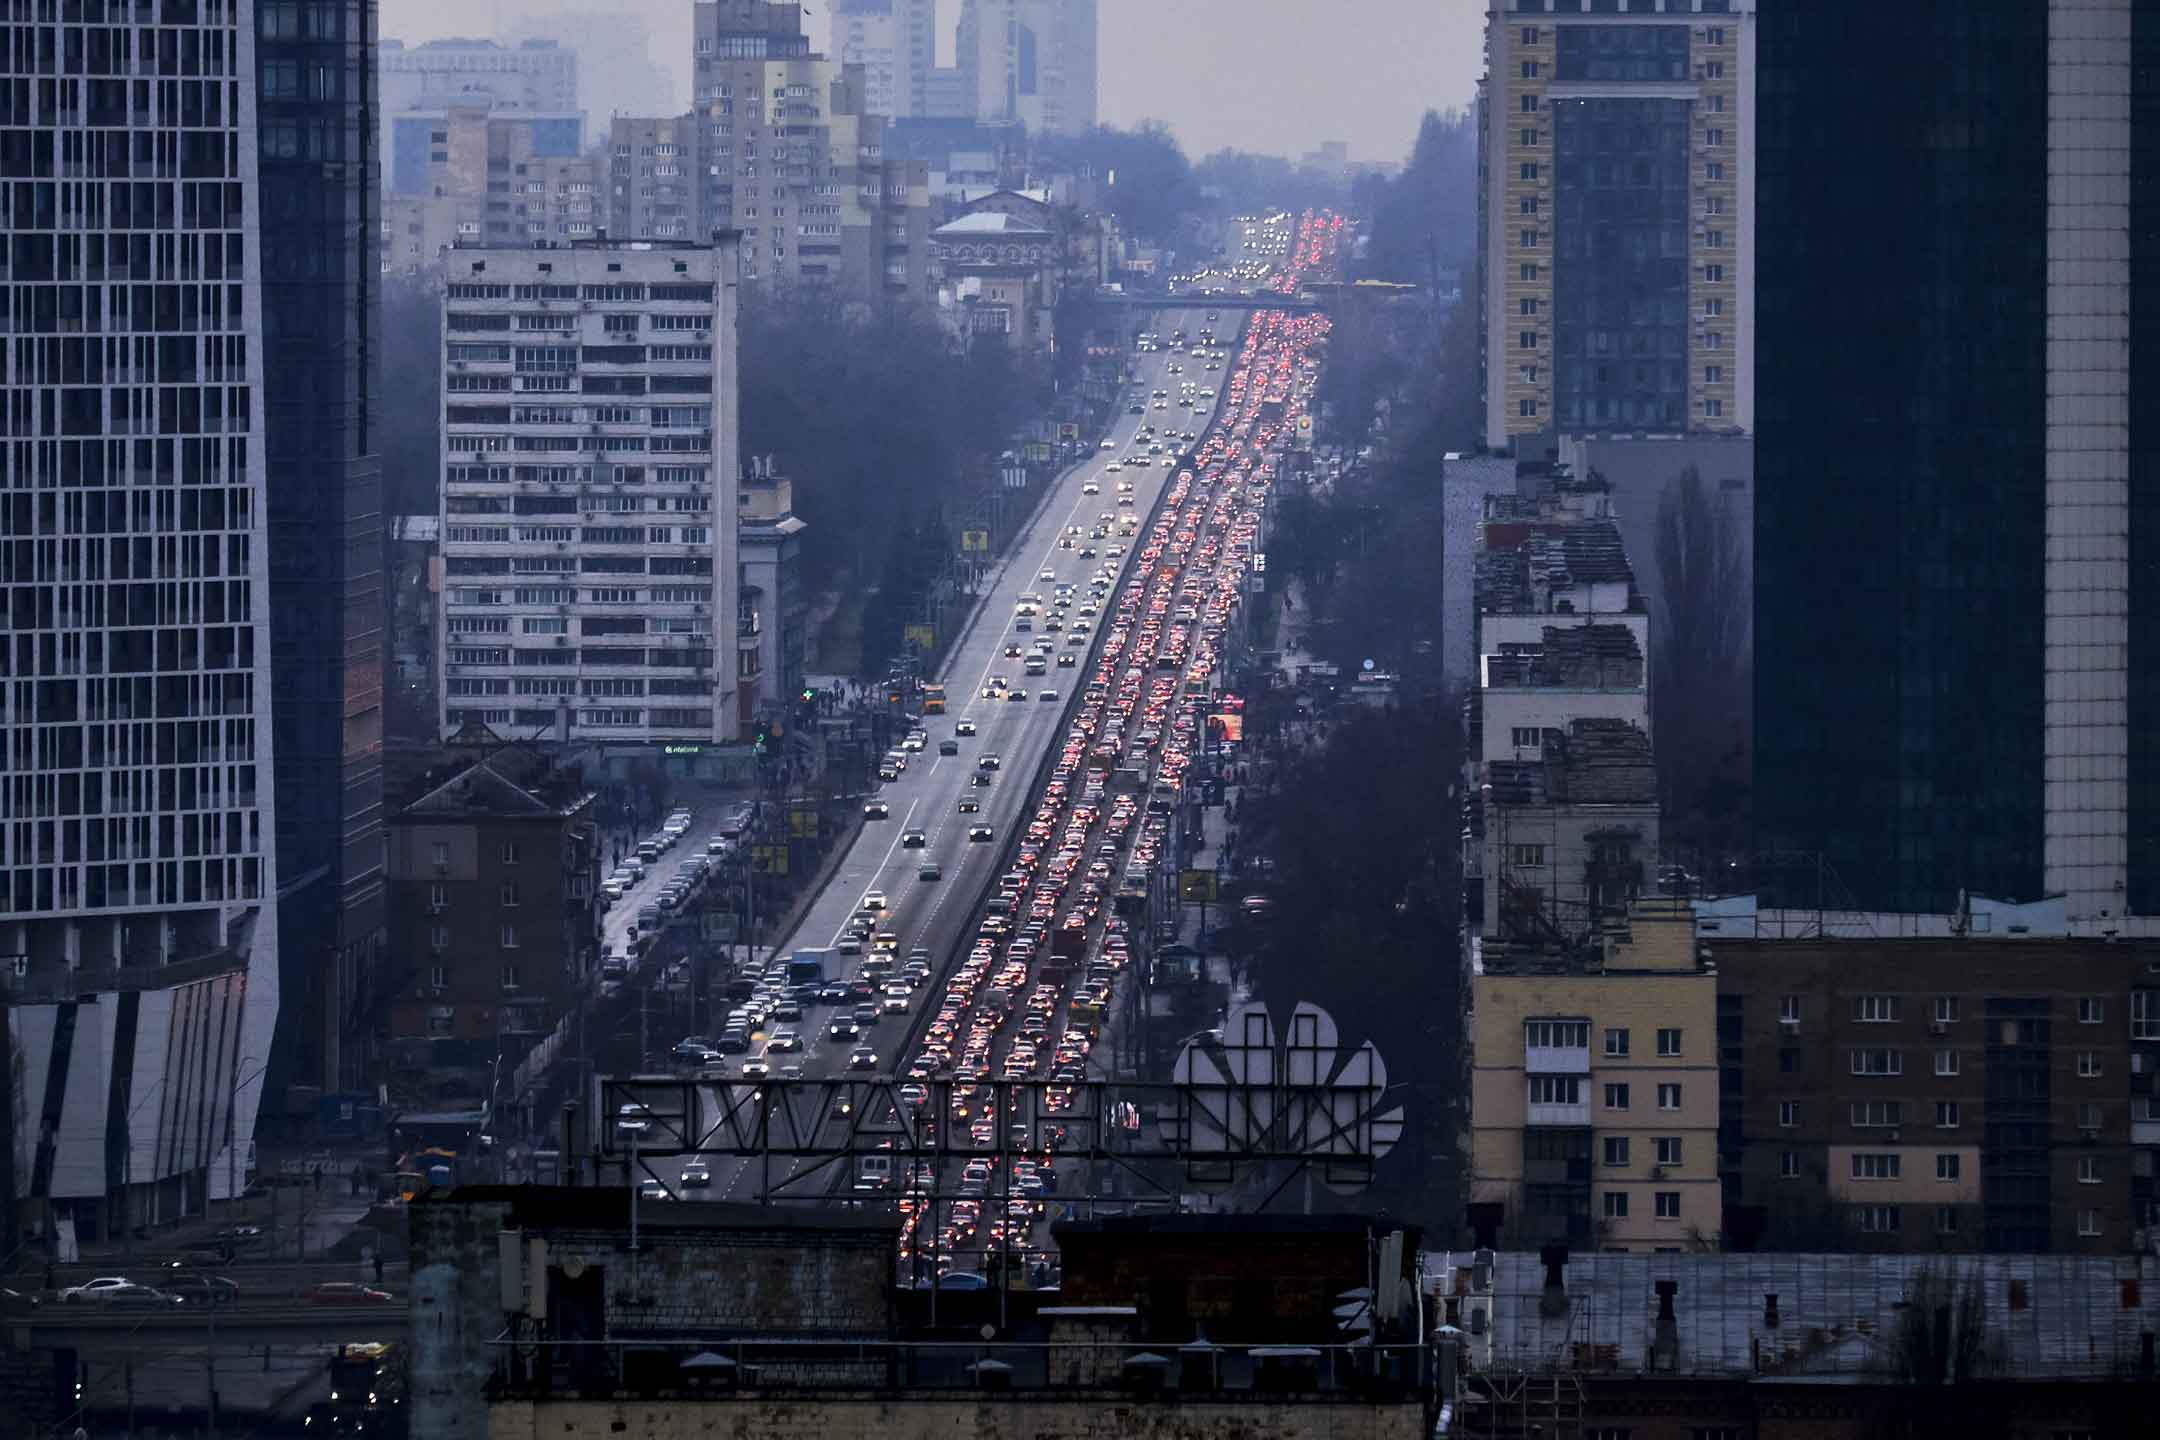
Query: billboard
[1225, 727]
[1196, 885]
[920, 634]
[974, 542]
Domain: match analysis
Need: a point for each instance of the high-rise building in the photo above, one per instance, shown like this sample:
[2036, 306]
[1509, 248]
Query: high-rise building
[653, 182]
[535, 74]
[1030, 61]
[491, 178]
[1957, 615]
[895, 41]
[139, 836]
[588, 496]
[793, 156]
[320, 211]
[1615, 217]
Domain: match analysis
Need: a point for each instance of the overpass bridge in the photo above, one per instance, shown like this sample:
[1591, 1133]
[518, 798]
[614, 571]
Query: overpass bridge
[278, 1324]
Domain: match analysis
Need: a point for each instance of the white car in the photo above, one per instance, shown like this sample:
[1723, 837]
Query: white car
[1107, 445]
[873, 900]
[1091, 488]
[91, 1290]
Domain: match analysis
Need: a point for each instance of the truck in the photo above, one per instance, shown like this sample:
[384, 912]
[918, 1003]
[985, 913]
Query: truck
[1068, 950]
[809, 968]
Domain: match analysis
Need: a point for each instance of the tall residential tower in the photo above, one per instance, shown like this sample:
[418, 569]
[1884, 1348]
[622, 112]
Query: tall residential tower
[1615, 207]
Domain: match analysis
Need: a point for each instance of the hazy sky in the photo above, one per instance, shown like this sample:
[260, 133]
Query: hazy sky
[1272, 75]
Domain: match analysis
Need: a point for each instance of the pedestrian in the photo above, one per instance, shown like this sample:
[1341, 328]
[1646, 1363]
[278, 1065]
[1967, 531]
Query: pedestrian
[378, 1267]
[52, 1281]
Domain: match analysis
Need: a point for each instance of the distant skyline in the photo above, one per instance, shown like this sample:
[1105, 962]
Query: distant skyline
[1274, 76]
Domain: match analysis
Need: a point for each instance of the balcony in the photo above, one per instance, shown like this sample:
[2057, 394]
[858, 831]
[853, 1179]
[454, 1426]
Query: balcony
[2145, 1132]
[1556, 1059]
[1563, 1115]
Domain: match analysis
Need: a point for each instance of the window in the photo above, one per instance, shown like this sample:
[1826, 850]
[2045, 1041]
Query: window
[1529, 69]
[1788, 1060]
[1713, 205]
[1713, 374]
[510, 852]
[2092, 1010]
[439, 853]
[439, 938]
[1668, 1204]
[1878, 1062]
[1946, 1009]
[1668, 1150]
[1946, 1114]
[1529, 374]
[1528, 304]
[1788, 1164]
[1557, 1034]
[1616, 1042]
[1715, 239]
[1527, 170]
[1529, 104]
[1608, 1432]
[1946, 1167]
[1616, 1204]
[1713, 408]
[1788, 1114]
[1668, 1097]
[1713, 274]
[439, 976]
[1529, 239]
[1527, 271]
[2089, 1064]
[1788, 1009]
[1527, 340]
[1526, 205]
[510, 895]
[2088, 1170]
[509, 977]
[1616, 1097]
[2088, 1222]
[509, 937]
[1877, 1219]
[2145, 1014]
[1527, 137]
[1713, 170]
[1668, 1043]
[2088, 1116]
[1946, 1219]
[1527, 855]
[1527, 737]
[1616, 1150]
[1878, 1009]
[1555, 1090]
[1946, 1062]
[1529, 34]
[438, 897]
[1526, 408]
[1877, 1114]
[1715, 35]
[1875, 1165]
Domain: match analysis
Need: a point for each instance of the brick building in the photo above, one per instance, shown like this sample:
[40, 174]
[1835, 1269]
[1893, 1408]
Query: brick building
[1956, 1093]
[494, 877]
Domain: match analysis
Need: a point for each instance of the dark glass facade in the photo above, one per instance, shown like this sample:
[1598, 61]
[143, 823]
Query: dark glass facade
[2144, 869]
[1621, 52]
[321, 313]
[1900, 474]
[1620, 273]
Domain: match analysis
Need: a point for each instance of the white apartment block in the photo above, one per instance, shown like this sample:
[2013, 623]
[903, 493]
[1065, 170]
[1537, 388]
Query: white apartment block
[589, 589]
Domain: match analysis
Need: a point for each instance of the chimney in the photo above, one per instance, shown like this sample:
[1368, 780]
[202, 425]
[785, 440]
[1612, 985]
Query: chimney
[1554, 1300]
[1665, 1346]
[1769, 1310]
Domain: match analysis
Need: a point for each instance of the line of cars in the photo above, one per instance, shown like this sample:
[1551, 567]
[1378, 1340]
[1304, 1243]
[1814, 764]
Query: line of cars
[689, 875]
[1028, 1001]
[180, 1286]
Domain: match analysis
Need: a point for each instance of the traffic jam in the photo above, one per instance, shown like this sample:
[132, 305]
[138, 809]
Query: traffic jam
[1029, 1001]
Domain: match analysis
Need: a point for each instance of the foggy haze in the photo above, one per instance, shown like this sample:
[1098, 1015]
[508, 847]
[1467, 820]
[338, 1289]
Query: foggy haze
[1218, 71]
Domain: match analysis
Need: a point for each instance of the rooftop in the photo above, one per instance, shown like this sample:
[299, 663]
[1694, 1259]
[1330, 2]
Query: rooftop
[1527, 565]
[509, 782]
[1576, 657]
[989, 222]
[1591, 762]
[2038, 1315]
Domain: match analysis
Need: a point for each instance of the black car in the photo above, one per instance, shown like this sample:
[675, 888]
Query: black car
[876, 810]
[980, 777]
[948, 747]
[198, 1289]
[988, 762]
[979, 833]
[842, 1028]
[913, 840]
[969, 805]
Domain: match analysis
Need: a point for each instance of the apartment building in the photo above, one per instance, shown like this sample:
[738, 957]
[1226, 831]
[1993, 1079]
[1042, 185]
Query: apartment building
[495, 875]
[1616, 230]
[653, 178]
[895, 41]
[775, 596]
[1564, 820]
[1029, 61]
[485, 177]
[138, 818]
[537, 75]
[589, 479]
[1965, 1092]
[1594, 1091]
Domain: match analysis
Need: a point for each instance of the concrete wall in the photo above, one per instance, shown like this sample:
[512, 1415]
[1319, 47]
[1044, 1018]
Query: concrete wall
[1109, 1416]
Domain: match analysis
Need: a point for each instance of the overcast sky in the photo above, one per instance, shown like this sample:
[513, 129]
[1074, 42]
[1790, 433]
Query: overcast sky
[1278, 76]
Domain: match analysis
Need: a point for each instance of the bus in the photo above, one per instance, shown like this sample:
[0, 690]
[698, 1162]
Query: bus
[933, 698]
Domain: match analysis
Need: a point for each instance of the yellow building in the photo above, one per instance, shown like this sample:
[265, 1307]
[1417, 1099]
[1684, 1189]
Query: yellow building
[1594, 1090]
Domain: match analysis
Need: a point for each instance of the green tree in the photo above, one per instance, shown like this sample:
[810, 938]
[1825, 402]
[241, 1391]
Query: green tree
[1148, 183]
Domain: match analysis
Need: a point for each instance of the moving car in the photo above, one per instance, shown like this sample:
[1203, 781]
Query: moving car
[963, 726]
[862, 1057]
[978, 833]
[346, 1292]
[876, 810]
[913, 840]
[873, 900]
[930, 871]
[696, 1176]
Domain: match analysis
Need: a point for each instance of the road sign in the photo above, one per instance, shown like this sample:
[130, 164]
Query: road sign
[922, 635]
[1196, 885]
[975, 541]
[1068, 431]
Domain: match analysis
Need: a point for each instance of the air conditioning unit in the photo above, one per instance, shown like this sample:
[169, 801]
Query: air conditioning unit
[2137, 1064]
[1938, 1027]
[562, 640]
[1657, 1172]
[2089, 1134]
[437, 908]
[1789, 1027]
[1894, 1136]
